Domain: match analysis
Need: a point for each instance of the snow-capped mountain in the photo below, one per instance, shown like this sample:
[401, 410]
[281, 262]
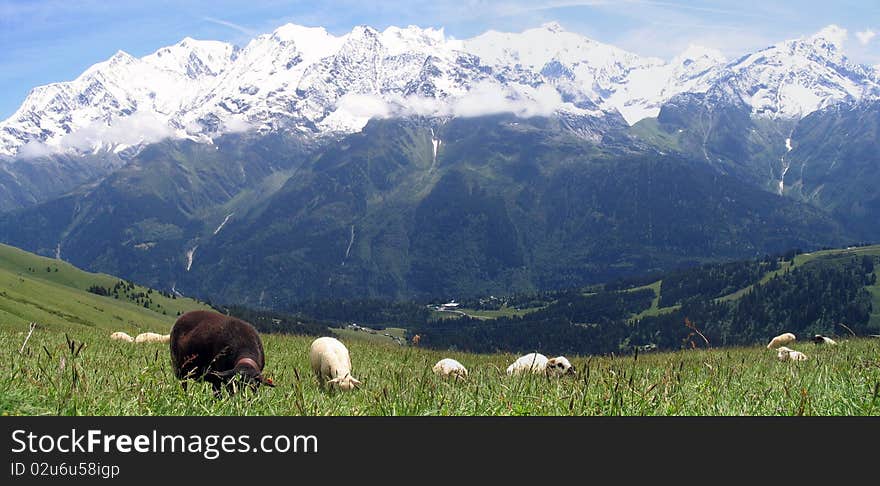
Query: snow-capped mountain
[308, 80]
[644, 90]
[797, 77]
[121, 101]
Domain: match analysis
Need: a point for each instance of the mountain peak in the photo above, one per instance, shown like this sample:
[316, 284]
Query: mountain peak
[299, 76]
[831, 36]
[413, 38]
[695, 53]
[121, 56]
[414, 31]
[552, 26]
[364, 31]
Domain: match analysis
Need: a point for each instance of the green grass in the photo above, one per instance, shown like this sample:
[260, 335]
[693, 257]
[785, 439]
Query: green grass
[69, 366]
[58, 300]
[114, 378]
[649, 130]
[655, 309]
[378, 338]
[504, 311]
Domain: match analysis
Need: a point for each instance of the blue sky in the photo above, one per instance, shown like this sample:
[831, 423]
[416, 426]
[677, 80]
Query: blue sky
[55, 40]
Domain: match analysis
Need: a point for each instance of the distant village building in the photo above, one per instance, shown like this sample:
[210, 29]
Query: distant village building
[451, 305]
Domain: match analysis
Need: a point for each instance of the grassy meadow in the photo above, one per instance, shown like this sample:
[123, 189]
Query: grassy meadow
[91, 375]
[55, 294]
[69, 366]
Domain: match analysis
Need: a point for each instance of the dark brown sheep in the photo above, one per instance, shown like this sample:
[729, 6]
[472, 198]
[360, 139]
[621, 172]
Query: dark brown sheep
[215, 348]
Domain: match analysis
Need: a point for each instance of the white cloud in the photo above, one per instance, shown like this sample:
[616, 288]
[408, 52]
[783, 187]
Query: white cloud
[236, 125]
[489, 99]
[363, 106]
[865, 36]
[140, 127]
[33, 150]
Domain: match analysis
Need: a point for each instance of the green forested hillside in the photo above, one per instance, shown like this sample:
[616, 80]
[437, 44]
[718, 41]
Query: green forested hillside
[504, 205]
[833, 292]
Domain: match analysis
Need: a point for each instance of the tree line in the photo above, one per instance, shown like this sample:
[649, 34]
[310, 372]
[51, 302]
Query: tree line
[816, 298]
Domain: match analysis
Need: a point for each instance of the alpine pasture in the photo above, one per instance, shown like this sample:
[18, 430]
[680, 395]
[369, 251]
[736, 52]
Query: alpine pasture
[70, 366]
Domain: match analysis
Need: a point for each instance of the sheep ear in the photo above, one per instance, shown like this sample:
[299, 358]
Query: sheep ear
[267, 381]
[354, 381]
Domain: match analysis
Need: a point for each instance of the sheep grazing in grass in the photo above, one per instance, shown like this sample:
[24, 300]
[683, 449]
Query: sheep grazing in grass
[537, 363]
[530, 363]
[781, 340]
[121, 336]
[216, 348]
[450, 367]
[332, 364]
[820, 339]
[559, 366]
[152, 337]
[787, 354]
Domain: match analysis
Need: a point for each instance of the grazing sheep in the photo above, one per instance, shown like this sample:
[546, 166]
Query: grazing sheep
[213, 347]
[537, 363]
[449, 366]
[332, 364]
[787, 354]
[781, 340]
[820, 339]
[532, 362]
[152, 337]
[121, 336]
[559, 366]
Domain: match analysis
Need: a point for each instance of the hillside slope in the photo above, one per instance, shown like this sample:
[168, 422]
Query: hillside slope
[411, 209]
[55, 295]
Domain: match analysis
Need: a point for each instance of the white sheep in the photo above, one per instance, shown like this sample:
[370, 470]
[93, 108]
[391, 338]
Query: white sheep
[121, 336]
[152, 337]
[787, 354]
[532, 362]
[450, 367]
[820, 339]
[781, 340]
[537, 363]
[332, 364]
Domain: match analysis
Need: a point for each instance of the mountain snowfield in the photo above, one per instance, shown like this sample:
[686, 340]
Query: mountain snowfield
[307, 80]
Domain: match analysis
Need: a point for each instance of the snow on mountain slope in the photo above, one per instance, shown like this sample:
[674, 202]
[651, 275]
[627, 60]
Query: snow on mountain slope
[124, 100]
[258, 89]
[645, 89]
[583, 69]
[307, 80]
[797, 77]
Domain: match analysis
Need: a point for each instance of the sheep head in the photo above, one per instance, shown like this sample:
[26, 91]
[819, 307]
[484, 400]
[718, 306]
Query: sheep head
[249, 372]
[346, 383]
[559, 366]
